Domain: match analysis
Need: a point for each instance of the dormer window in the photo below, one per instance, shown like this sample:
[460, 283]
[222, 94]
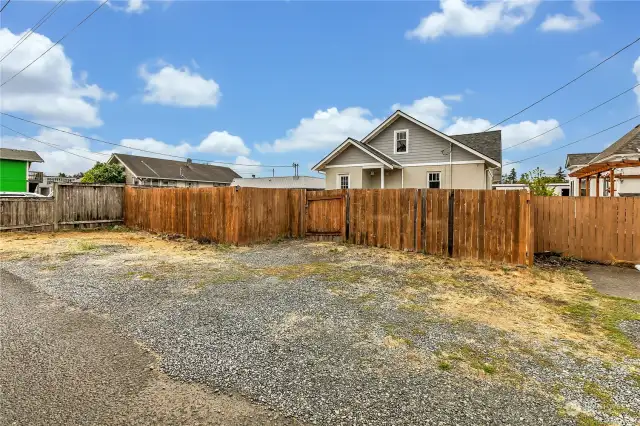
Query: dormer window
[401, 141]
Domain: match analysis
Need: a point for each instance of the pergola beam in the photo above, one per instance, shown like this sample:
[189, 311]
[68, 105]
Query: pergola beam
[594, 169]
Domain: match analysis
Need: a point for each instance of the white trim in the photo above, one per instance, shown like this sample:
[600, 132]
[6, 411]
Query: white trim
[445, 163]
[395, 141]
[381, 177]
[439, 173]
[366, 165]
[399, 113]
[339, 184]
[402, 181]
[338, 151]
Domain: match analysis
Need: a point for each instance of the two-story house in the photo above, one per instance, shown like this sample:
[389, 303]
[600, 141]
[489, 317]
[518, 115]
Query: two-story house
[403, 152]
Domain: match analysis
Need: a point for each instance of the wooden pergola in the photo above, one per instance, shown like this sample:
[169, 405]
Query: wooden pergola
[606, 169]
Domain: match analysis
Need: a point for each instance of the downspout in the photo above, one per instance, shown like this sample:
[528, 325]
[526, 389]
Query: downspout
[450, 165]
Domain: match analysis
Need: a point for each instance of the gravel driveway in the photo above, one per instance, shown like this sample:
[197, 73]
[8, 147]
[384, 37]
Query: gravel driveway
[316, 333]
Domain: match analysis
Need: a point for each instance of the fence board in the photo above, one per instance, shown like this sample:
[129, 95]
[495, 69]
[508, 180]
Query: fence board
[601, 229]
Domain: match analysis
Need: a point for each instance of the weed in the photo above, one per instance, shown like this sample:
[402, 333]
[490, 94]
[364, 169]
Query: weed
[586, 420]
[50, 267]
[86, 246]
[635, 377]
[488, 368]
[418, 332]
[147, 276]
[444, 365]
[367, 297]
[411, 307]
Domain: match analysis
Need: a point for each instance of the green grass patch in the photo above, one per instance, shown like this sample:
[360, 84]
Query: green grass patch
[86, 246]
[584, 419]
[444, 365]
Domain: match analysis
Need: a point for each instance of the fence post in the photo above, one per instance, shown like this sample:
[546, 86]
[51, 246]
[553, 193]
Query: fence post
[450, 224]
[56, 204]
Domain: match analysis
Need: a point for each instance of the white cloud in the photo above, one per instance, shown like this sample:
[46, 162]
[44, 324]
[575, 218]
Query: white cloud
[48, 90]
[636, 71]
[223, 143]
[131, 7]
[585, 18]
[151, 144]
[178, 87]
[430, 110]
[459, 18]
[244, 167]
[512, 133]
[324, 130]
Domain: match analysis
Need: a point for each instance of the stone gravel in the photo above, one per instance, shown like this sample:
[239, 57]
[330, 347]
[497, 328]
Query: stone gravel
[311, 349]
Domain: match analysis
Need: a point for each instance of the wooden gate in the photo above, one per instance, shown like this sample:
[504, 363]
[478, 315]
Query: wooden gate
[326, 215]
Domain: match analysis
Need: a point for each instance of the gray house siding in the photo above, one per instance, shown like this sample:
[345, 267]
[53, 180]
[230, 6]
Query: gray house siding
[352, 155]
[424, 146]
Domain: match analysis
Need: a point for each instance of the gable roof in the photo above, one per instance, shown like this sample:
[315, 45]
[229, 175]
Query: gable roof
[157, 168]
[580, 159]
[371, 151]
[20, 155]
[478, 141]
[487, 143]
[628, 144]
[288, 182]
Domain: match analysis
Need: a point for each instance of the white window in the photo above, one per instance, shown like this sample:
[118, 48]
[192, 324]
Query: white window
[343, 181]
[433, 181]
[401, 141]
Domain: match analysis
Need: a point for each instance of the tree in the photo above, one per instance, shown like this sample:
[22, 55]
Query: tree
[78, 175]
[104, 173]
[62, 175]
[537, 182]
[561, 176]
[512, 177]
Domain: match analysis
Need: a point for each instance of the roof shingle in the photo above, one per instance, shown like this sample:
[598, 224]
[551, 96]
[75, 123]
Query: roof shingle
[20, 155]
[158, 168]
[628, 144]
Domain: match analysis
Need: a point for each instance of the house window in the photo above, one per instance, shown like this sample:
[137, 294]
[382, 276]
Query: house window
[343, 181]
[565, 192]
[434, 180]
[573, 190]
[401, 141]
[606, 193]
[583, 188]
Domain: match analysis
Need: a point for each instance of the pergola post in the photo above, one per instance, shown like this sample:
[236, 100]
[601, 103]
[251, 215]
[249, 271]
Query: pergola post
[612, 179]
[588, 192]
[598, 185]
[579, 187]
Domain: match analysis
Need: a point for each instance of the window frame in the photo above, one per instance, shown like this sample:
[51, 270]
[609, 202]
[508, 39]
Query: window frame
[339, 177]
[395, 141]
[439, 179]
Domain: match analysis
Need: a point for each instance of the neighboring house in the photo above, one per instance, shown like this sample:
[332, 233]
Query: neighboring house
[285, 182]
[46, 187]
[619, 164]
[403, 152]
[561, 189]
[149, 171]
[14, 170]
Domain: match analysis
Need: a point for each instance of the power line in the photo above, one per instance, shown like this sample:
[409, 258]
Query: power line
[56, 43]
[138, 149]
[574, 118]
[47, 143]
[37, 25]
[571, 143]
[5, 5]
[565, 85]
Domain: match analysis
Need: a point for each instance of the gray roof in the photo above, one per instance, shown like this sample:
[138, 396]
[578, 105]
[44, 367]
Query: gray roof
[580, 159]
[287, 182]
[628, 144]
[375, 152]
[20, 155]
[158, 168]
[486, 143]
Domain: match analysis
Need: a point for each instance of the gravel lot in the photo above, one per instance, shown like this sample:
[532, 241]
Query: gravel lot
[332, 334]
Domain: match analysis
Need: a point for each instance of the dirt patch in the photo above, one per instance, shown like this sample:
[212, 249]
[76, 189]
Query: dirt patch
[614, 280]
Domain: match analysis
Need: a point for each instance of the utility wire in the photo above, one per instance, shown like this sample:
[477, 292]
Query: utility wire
[56, 43]
[47, 143]
[37, 25]
[137, 149]
[5, 5]
[574, 118]
[571, 143]
[566, 84]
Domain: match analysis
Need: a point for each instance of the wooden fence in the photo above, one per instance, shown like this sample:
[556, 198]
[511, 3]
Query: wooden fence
[223, 214]
[601, 229]
[71, 206]
[485, 225]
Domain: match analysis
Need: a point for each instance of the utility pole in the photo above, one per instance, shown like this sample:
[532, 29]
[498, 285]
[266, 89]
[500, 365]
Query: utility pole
[273, 171]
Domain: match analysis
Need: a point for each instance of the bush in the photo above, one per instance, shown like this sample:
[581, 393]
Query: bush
[104, 173]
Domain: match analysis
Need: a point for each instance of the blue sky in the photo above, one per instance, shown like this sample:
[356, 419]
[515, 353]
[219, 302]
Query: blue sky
[278, 82]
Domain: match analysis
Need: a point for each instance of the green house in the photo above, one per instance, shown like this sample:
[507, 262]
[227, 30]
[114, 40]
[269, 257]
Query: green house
[14, 170]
